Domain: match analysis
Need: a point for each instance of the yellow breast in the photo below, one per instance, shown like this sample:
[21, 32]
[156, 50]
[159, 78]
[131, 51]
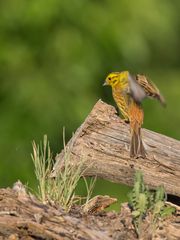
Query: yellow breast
[122, 103]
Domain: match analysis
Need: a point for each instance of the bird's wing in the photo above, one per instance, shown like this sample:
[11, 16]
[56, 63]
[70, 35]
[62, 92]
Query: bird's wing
[150, 88]
[136, 91]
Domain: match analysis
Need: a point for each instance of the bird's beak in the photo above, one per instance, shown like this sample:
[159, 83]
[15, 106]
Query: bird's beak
[105, 83]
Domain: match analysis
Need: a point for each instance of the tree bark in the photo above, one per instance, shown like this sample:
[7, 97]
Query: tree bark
[103, 141]
[22, 216]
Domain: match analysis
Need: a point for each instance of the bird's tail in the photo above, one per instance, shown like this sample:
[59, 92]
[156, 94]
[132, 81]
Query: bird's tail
[136, 146]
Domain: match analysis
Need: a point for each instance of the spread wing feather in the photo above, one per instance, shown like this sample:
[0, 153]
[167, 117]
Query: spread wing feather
[150, 88]
[136, 90]
[141, 87]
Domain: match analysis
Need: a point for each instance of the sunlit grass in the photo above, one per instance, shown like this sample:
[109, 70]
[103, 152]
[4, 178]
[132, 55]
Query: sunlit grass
[61, 189]
[43, 163]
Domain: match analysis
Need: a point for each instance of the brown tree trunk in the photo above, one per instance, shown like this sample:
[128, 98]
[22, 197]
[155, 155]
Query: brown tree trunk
[103, 141]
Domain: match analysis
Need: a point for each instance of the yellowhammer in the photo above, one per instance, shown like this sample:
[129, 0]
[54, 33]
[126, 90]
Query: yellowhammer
[128, 92]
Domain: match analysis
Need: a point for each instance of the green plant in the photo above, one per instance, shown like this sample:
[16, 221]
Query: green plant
[144, 202]
[89, 187]
[160, 209]
[43, 162]
[59, 190]
[139, 201]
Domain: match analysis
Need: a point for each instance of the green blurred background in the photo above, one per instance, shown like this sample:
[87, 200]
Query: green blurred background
[54, 57]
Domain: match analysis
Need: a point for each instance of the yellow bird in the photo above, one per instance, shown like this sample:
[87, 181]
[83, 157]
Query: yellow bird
[128, 92]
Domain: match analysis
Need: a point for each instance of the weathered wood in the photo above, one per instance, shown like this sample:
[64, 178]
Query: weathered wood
[103, 141]
[22, 216]
[98, 204]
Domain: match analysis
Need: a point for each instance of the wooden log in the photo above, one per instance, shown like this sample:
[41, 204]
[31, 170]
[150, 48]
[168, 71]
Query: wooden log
[103, 141]
[22, 216]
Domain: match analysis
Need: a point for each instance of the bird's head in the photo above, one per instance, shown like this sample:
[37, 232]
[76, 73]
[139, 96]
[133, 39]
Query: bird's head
[112, 79]
[115, 77]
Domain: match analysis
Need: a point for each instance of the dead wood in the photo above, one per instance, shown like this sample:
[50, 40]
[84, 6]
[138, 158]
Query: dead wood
[22, 216]
[103, 141]
[98, 204]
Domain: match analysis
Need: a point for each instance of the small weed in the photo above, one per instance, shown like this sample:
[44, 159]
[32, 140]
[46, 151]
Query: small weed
[144, 202]
[89, 187]
[61, 189]
[43, 162]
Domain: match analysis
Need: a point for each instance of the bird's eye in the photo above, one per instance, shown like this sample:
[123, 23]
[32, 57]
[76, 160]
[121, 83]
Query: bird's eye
[109, 78]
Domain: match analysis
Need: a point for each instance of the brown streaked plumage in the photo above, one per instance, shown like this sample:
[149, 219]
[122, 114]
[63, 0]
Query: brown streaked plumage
[150, 88]
[128, 93]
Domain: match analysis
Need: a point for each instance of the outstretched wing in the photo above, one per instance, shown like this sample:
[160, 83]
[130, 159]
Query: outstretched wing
[136, 91]
[150, 88]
